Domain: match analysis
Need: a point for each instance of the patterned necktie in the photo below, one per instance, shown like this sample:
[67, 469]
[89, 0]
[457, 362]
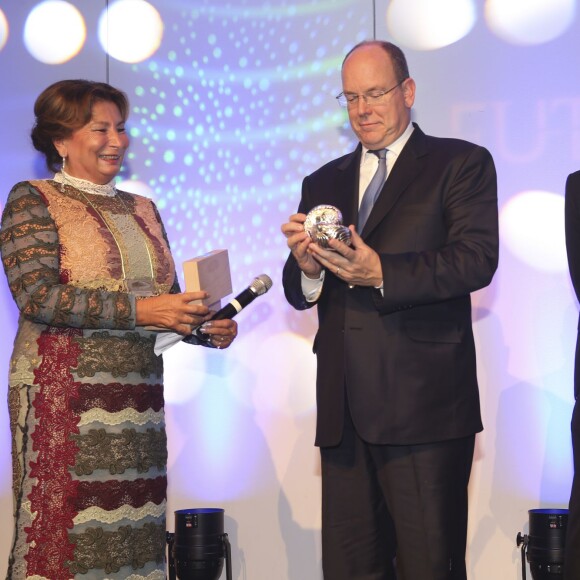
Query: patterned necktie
[373, 188]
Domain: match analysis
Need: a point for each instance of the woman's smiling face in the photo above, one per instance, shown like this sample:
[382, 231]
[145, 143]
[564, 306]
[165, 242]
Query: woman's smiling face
[95, 152]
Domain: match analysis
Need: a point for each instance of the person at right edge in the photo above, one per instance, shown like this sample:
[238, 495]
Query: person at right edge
[397, 394]
[572, 227]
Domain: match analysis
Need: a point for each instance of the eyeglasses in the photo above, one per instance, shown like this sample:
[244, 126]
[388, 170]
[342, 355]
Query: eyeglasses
[371, 98]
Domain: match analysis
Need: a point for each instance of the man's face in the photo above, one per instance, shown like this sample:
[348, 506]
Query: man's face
[369, 69]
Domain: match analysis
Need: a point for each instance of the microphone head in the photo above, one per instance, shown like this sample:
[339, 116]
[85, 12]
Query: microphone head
[261, 284]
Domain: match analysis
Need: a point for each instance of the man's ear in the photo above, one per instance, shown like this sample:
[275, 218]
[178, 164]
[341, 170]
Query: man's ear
[409, 92]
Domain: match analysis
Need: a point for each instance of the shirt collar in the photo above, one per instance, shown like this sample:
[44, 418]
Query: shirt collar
[396, 146]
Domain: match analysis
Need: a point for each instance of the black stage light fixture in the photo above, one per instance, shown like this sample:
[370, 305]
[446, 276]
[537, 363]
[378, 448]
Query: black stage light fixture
[544, 543]
[198, 546]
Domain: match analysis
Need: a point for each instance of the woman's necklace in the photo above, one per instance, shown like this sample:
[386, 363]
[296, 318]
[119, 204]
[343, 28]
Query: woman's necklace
[107, 189]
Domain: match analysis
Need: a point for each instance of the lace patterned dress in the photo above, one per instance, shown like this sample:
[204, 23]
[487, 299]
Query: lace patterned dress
[86, 389]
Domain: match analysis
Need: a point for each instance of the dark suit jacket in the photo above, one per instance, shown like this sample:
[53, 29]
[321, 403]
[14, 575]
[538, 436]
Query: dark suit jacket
[407, 360]
[572, 220]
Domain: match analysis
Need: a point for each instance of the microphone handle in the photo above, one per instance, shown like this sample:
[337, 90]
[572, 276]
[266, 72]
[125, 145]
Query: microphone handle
[232, 308]
[235, 305]
[228, 311]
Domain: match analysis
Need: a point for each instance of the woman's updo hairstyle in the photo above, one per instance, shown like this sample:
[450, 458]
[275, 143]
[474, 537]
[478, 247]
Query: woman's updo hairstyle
[66, 106]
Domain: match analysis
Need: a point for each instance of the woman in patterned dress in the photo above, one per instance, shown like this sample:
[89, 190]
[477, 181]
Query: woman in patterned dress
[91, 272]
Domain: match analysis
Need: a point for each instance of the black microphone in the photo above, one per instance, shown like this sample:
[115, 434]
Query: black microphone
[260, 285]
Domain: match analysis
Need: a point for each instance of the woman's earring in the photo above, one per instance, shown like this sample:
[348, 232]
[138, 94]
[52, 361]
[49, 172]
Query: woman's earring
[62, 172]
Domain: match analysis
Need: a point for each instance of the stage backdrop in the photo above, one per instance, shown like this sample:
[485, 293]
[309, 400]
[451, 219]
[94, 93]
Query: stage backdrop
[232, 103]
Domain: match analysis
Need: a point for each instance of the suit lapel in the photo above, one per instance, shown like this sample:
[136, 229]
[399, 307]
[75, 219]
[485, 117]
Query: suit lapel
[346, 188]
[406, 169]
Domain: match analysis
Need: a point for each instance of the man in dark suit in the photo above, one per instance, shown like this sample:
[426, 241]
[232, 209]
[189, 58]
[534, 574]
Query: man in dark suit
[397, 394]
[572, 220]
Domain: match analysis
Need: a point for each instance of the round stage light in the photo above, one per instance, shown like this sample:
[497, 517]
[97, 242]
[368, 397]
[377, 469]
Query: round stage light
[3, 29]
[428, 25]
[532, 228]
[137, 187]
[525, 22]
[54, 32]
[130, 30]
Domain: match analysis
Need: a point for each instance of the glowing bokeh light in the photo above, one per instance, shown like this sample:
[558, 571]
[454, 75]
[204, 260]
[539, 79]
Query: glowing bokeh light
[527, 22]
[3, 30]
[184, 373]
[54, 32]
[130, 30]
[428, 25]
[135, 186]
[295, 392]
[532, 228]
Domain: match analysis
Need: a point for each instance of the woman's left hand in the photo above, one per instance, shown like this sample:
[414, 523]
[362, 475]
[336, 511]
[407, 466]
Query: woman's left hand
[222, 332]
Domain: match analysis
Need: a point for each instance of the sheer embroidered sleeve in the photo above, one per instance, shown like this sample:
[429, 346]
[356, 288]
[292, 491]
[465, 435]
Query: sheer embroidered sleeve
[29, 247]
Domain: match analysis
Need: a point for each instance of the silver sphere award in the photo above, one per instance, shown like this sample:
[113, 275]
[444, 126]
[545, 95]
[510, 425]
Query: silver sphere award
[323, 223]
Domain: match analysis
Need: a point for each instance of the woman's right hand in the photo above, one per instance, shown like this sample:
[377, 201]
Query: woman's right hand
[173, 312]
